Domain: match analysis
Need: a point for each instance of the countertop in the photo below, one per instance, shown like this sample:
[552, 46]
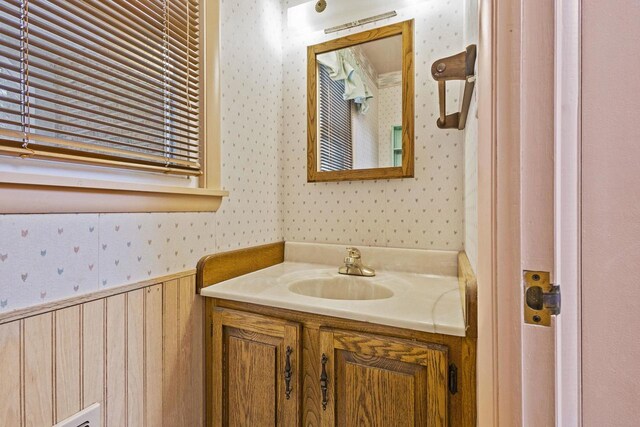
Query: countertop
[420, 301]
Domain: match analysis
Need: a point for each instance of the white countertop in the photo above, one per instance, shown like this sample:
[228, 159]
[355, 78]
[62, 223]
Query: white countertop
[420, 301]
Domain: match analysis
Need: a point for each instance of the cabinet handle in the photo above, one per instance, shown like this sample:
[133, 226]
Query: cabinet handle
[288, 373]
[324, 382]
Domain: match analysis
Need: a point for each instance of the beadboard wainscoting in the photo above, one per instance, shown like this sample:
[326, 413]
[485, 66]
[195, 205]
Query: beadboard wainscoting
[138, 352]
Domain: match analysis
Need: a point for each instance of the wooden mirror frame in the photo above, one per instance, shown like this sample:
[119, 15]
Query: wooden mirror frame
[406, 170]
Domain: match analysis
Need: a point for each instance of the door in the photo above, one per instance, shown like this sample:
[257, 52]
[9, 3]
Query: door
[517, 154]
[256, 370]
[368, 380]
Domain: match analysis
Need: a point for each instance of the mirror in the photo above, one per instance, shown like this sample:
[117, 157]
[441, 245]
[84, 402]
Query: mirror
[360, 106]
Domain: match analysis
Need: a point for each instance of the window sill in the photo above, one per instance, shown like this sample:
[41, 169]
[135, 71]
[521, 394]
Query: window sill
[26, 193]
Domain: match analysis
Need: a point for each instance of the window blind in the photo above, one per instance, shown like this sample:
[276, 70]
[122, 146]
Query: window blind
[114, 83]
[336, 146]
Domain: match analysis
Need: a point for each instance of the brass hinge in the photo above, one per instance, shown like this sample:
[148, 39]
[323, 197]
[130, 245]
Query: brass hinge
[453, 378]
[541, 298]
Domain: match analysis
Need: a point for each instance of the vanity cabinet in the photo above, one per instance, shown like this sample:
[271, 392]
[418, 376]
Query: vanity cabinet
[256, 370]
[276, 367]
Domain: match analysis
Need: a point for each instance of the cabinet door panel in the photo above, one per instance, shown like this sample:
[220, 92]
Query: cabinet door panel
[365, 396]
[381, 381]
[249, 362]
[251, 381]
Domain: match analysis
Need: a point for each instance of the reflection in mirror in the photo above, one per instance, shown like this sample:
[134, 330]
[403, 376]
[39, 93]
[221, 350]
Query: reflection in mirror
[360, 106]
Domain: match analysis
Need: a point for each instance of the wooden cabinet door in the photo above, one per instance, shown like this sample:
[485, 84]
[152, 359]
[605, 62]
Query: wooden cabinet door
[381, 381]
[256, 370]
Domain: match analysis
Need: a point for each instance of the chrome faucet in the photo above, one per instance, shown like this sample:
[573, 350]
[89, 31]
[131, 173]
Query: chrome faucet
[353, 265]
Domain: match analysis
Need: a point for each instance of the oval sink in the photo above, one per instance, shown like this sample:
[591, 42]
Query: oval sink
[340, 287]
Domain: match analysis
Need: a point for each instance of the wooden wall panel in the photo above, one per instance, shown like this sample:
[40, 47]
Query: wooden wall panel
[197, 363]
[93, 351]
[135, 358]
[116, 362]
[186, 296]
[190, 351]
[10, 363]
[67, 357]
[153, 356]
[140, 354]
[38, 370]
[170, 396]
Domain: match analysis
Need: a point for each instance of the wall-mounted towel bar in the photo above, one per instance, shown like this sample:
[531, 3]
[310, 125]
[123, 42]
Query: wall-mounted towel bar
[456, 67]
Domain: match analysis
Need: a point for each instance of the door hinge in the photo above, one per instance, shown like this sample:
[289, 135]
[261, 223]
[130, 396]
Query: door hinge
[453, 378]
[541, 298]
[211, 329]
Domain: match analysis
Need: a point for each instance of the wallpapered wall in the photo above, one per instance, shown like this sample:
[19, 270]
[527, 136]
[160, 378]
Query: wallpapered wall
[49, 257]
[424, 212]
[471, 22]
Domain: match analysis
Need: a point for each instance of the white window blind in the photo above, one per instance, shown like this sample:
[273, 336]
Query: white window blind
[336, 146]
[112, 83]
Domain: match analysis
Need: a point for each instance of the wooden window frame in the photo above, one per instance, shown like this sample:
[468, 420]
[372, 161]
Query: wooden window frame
[40, 193]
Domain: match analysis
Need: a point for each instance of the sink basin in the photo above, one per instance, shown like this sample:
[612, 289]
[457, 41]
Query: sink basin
[341, 288]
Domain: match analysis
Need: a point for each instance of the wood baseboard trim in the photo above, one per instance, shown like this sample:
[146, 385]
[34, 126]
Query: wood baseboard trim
[22, 313]
[217, 268]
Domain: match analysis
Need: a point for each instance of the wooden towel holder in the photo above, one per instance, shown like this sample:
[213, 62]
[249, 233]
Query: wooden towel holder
[456, 67]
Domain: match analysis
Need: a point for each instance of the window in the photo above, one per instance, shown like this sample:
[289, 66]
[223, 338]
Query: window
[116, 84]
[336, 146]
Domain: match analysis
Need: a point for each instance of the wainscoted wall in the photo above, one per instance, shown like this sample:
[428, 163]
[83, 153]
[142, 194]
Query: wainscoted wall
[44, 258]
[424, 212]
[471, 22]
[139, 354]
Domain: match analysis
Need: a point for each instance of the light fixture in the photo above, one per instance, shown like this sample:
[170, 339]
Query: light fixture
[316, 15]
[361, 22]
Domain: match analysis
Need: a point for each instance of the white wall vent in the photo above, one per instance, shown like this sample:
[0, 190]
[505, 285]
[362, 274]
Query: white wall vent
[88, 417]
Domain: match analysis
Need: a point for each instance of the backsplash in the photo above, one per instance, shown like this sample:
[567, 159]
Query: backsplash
[424, 212]
[49, 257]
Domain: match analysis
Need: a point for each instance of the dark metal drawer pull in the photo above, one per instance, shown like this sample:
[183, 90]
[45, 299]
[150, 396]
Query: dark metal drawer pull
[288, 373]
[324, 382]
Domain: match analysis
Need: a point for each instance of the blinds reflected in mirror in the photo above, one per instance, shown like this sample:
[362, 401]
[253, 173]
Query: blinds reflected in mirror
[335, 142]
[111, 83]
